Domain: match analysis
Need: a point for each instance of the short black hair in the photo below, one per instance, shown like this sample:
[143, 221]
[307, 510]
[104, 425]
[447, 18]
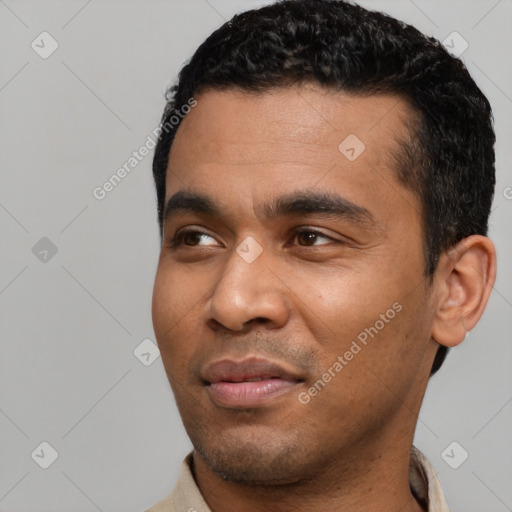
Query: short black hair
[448, 161]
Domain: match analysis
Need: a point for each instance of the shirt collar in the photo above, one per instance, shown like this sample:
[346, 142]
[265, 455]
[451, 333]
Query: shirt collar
[423, 481]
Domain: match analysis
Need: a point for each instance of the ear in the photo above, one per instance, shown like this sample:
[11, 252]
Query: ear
[463, 282]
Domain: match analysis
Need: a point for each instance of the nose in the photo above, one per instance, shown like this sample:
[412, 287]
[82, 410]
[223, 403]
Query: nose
[248, 292]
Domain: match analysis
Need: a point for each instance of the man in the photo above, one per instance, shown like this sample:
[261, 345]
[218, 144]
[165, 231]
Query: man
[324, 177]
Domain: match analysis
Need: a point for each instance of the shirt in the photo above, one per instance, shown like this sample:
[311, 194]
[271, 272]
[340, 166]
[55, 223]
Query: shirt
[425, 486]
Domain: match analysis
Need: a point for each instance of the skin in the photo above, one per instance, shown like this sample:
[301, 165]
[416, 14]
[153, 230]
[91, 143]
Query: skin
[305, 299]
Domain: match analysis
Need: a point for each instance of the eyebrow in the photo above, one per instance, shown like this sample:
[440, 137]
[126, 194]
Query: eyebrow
[297, 203]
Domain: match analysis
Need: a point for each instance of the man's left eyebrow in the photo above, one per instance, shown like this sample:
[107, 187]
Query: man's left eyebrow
[315, 203]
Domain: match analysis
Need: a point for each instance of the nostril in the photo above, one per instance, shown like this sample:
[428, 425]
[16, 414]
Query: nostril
[259, 320]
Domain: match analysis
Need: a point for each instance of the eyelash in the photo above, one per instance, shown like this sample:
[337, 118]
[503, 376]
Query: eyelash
[177, 241]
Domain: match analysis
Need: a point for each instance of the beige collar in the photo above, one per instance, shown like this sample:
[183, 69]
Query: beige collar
[423, 480]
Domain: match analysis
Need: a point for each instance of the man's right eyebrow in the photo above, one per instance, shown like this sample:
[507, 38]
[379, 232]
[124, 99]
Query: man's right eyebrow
[190, 202]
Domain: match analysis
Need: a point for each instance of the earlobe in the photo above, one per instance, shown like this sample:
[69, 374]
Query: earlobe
[463, 281]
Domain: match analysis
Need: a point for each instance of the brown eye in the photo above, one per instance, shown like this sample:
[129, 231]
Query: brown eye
[308, 237]
[190, 238]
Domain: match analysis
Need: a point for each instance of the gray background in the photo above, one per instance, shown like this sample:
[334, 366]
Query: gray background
[70, 321]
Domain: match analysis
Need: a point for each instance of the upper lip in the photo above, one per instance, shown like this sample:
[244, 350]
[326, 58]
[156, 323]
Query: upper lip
[229, 370]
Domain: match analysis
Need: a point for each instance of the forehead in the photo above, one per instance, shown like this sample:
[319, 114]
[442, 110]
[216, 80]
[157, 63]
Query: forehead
[290, 124]
[243, 148]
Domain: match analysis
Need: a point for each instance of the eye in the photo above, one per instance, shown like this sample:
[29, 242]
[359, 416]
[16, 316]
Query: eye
[191, 238]
[309, 237]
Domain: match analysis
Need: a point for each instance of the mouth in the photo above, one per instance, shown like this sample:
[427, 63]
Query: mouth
[248, 383]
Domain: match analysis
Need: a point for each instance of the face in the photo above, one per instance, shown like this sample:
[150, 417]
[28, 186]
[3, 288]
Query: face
[290, 305]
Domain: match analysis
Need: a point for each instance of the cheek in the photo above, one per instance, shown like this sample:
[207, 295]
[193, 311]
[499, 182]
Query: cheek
[172, 305]
[173, 309]
[373, 316]
[342, 302]
[390, 340]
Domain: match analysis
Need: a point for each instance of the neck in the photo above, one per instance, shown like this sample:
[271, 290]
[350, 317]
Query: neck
[372, 475]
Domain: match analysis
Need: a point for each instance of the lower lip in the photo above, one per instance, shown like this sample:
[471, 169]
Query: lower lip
[248, 394]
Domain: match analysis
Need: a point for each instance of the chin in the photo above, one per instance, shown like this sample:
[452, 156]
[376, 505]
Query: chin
[270, 459]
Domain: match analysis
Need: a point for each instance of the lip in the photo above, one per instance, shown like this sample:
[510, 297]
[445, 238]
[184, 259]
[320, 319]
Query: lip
[249, 382]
